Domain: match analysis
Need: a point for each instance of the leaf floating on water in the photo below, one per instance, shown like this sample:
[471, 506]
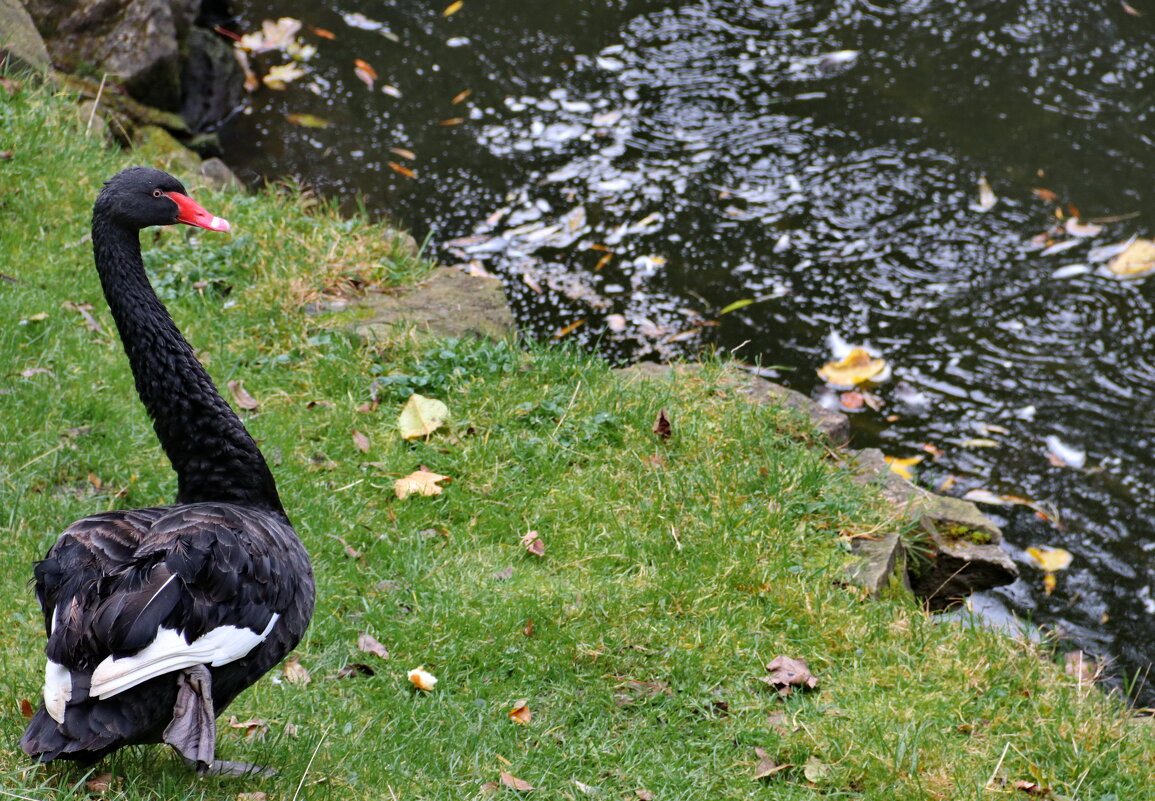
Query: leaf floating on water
[460, 96]
[404, 153]
[364, 71]
[616, 322]
[987, 197]
[272, 36]
[308, 120]
[452, 8]
[324, 33]
[1129, 9]
[421, 416]
[979, 442]
[1063, 455]
[1138, 258]
[1076, 227]
[1045, 195]
[402, 169]
[1050, 560]
[569, 329]
[738, 304]
[858, 367]
[419, 482]
[902, 466]
[283, 74]
[241, 396]
[451, 121]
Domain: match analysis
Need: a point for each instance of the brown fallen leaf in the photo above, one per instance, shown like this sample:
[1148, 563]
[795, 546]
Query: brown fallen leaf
[295, 673]
[528, 629]
[514, 783]
[662, 426]
[420, 482]
[99, 784]
[324, 33]
[256, 795]
[10, 85]
[767, 766]
[520, 712]
[533, 543]
[787, 673]
[368, 407]
[461, 96]
[353, 669]
[361, 441]
[489, 788]
[254, 728]
[644, 795]
[241, 397]
[368, 643]
[451, 121]
[85, 311]
[1030, 788]
[26, 708]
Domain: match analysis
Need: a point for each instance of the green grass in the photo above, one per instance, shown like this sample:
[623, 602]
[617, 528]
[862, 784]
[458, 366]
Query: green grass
[673, 571]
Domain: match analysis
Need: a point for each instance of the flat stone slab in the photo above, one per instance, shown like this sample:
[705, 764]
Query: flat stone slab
[965, 551]
[449, 303]
[19, 37]
[834, 427]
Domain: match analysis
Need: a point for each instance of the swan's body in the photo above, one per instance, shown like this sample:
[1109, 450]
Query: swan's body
[157, 618]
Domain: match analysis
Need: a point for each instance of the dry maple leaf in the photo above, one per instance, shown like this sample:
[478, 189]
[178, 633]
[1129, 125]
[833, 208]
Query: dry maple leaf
[295, 673]
[368, 643]
[514, 783]
[533, 543]
[241, 396]
[786, 673]
[282, 75]
[254, 728]
[520, 712]
[662, 426]
[420, 482]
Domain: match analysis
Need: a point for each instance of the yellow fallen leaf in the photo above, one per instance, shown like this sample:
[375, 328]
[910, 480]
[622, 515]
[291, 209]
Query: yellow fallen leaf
[520, 712]
[1050, 559]
[452, 8]
[419, 482]
[857, 368]
[902, 466]
[241, 396]
[421, 416]
[1139, 257]
[422, 679]
[282, 75]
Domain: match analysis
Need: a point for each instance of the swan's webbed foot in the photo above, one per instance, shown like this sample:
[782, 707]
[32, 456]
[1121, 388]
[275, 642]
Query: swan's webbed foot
[222, 767]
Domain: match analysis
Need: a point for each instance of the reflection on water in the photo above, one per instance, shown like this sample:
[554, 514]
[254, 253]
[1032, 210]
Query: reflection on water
[640, 165]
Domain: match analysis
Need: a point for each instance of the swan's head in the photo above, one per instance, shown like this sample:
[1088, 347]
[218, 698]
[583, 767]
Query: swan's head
[142, 196]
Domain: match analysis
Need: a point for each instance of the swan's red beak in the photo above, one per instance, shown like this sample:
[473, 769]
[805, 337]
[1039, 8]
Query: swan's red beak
[192, 213]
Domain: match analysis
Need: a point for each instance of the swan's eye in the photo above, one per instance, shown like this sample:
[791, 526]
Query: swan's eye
[157, 193]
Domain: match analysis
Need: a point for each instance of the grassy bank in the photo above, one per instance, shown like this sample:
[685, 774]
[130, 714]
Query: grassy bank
[673, 571]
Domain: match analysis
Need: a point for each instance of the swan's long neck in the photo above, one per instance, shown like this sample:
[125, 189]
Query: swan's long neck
[213, 455]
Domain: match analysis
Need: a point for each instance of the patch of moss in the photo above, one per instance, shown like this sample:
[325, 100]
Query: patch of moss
[959, 532]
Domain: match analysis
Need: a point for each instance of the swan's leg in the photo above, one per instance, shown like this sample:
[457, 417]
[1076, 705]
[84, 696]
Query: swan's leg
[193, 730]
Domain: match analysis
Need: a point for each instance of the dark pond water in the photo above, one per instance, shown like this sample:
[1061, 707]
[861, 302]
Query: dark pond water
[641, 165]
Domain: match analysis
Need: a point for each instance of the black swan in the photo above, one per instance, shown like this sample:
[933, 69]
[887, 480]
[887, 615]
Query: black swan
[157, 618]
